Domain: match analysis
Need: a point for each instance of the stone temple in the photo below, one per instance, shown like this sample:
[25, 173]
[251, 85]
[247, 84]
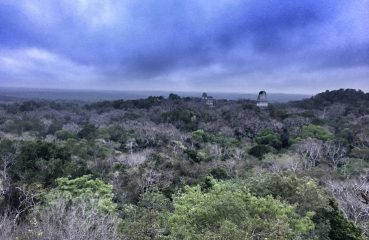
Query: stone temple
[208, 100]
[262, 101]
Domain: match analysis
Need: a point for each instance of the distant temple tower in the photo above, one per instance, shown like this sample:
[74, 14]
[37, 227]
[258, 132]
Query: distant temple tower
[208, 100]
[204, 96]
[262, 101]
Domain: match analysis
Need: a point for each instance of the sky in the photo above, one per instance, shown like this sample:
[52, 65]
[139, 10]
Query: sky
[283, 46]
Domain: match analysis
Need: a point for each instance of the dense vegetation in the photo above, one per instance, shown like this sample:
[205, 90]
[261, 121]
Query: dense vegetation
[175, 168]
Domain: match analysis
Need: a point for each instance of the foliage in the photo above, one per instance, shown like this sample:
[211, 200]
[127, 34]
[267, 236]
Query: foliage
[341, 228]
[268, 137]
[259, 151]
[185, 119]
[301, 191]
[274, 158]
[196, 156]
[174, 97]
[125, 104]
[84, 188]
[119, 134]
[147, 219]
[362, 153]
[315, 131]
[230, 211]
[204, 137]
[41, 162]
[89, 132]
[307, 196]
[219, 173]
[354, 167]
[64, 135]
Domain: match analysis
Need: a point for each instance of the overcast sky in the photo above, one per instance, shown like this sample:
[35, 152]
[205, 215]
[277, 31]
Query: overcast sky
[290, 46]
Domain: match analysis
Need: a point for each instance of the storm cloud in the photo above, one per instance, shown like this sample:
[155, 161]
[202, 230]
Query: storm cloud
[225, 45]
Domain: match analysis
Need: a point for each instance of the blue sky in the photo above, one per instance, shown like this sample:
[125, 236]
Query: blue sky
[194, 45]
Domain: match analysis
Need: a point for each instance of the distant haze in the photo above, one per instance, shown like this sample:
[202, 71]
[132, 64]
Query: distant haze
[290, 46]
[86, 95]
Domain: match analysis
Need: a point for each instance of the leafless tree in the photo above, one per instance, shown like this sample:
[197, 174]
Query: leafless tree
[27, 200]
[131, 143]
[8, 160]
[77, 221]
[284, 162]
[310, 150]
[353, 198]
[215, 150]
[335, 153]
[362, 140]
[8, 226]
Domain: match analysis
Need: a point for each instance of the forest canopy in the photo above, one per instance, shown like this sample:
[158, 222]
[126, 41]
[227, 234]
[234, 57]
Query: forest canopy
[181, 168]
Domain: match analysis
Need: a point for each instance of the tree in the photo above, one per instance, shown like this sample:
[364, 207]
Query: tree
[341, 229]
[80, 208]
[89, 132]
[268, 137]
[8, 226]
[315, 131]
[335, 153]
[41, 163]
[65, 220]
[308, 196]
[8, 154]
[229, 211]
[283, 162]
[259, 151]
[310, 150]
[304, 192]
[174, 97]
[82, 189]
[147, 219]
[353, 199]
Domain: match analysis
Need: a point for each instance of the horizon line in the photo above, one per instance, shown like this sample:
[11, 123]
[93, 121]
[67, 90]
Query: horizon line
[163, 91]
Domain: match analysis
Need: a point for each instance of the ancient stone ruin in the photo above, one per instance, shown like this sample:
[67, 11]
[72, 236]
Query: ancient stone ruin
[262, 101]
[208, 100]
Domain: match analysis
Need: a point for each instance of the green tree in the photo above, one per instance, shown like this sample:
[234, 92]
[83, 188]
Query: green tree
[147, 219]
[84, 188]
[307, 196]
[341, 228]
[315, 131]
[229, 211]
[268, 137]
[41, 162]
[259, 151]
[174, 97]
[89, 132]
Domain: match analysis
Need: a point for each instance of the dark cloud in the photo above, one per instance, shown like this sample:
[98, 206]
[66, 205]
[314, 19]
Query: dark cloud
[345, 57]
[143, 41]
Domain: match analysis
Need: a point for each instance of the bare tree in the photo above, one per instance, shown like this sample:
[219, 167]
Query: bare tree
[135, 159]
[7, 161]
[310, 150]
[362, 140]
[284, 162]
[8, 226]
[131, 143]
[73, 221]
[353, 198]
[27, 200]
[335, 153]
